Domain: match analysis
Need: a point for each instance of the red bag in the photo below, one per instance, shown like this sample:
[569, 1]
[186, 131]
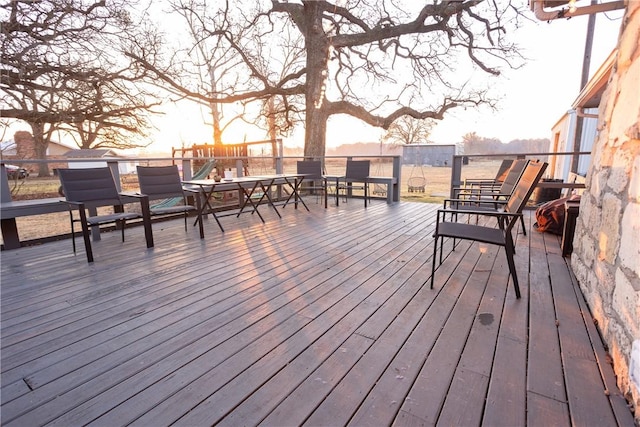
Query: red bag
[550, 215]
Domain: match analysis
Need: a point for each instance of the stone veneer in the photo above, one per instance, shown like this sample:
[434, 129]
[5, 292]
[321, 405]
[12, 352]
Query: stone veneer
[606, 257]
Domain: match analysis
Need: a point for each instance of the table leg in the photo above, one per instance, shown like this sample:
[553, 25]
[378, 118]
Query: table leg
[248, 199]
[266, 193]
[326, 196]
[295, 194]
[206, 205]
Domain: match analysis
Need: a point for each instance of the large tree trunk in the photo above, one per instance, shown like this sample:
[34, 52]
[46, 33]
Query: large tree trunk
[315, 133]
[40, 144]
[317, 46]
[215, 116]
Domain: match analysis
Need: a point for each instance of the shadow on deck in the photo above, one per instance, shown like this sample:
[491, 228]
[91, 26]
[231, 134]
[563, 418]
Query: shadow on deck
[319, 318]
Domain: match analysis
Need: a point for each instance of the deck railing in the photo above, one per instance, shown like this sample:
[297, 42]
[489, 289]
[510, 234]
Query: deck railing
[121, 167]
[46, 198]
[460, 160]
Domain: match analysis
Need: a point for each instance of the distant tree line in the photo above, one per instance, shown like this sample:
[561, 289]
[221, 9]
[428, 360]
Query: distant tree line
[474, 144]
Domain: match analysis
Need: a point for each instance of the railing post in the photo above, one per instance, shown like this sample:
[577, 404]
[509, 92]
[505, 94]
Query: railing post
[349, 190]
[187, 173]
[239, 168]
[9, 226]
[456, 173]
[397, 168]
[5, 195]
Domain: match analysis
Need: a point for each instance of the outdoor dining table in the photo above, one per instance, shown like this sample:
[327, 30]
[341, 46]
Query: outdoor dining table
[247, 186]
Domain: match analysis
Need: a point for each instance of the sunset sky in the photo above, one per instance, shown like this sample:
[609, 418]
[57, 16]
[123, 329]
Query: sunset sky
[533, 97]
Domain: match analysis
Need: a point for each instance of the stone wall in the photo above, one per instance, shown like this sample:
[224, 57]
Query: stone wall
[606, 257]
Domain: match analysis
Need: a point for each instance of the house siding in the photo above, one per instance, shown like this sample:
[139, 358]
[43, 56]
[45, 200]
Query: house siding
[428, 154]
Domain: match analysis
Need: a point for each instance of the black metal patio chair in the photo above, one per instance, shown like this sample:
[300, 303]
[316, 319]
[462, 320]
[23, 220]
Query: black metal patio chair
[85, 190]
[506, 219]
[315, 181]
[357, 171]
[501, 174]
[164, 183]
[489, 198]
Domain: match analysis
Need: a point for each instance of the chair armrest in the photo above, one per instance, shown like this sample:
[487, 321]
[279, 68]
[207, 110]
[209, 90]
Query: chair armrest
[479, 181]
[486, 184]
[486, 213]
[130, 194]
[499, 201]
[142, 198]
[337, 178]
[478, 190]
[71, 203]
[134, 195]
[495, 194]
[474, 201]
[460, 193]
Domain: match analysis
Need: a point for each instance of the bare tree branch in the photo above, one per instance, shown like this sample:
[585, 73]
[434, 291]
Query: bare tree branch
[374, 60]
[62, 68]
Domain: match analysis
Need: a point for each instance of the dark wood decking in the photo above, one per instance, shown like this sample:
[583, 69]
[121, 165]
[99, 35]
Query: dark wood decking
[319, 318]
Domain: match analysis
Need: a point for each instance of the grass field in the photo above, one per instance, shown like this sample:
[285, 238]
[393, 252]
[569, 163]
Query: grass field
[436, 189]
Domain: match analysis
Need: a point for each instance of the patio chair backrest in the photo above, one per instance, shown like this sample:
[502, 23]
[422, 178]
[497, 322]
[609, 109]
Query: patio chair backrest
[513, 176]
[504, 169]
[357, 169]
[527, 183]
[160, 182]
[93, 186]
[313, 168]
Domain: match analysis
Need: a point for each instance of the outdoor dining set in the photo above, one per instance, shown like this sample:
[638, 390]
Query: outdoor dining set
[164, 193]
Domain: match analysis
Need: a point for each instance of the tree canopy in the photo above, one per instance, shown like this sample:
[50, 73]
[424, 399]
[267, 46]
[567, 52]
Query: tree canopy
[63, 69]
[407, 130]
[373, 60]
[85, 66]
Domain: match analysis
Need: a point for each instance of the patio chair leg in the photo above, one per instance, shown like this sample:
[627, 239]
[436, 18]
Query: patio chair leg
[146, 221]
[524, 229]
[510, 242]
[433, 260]
[86, 235]
[453, 248]
[512, 267]
[73, 232]
[366, 191]
[200, 224]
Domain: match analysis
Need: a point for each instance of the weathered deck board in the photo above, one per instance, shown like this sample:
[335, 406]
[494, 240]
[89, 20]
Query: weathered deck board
[544, 351]
[506, 396]
[318, 318]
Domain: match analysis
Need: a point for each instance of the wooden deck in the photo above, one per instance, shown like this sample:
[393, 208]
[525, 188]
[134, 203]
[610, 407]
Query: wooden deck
[319, 318]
